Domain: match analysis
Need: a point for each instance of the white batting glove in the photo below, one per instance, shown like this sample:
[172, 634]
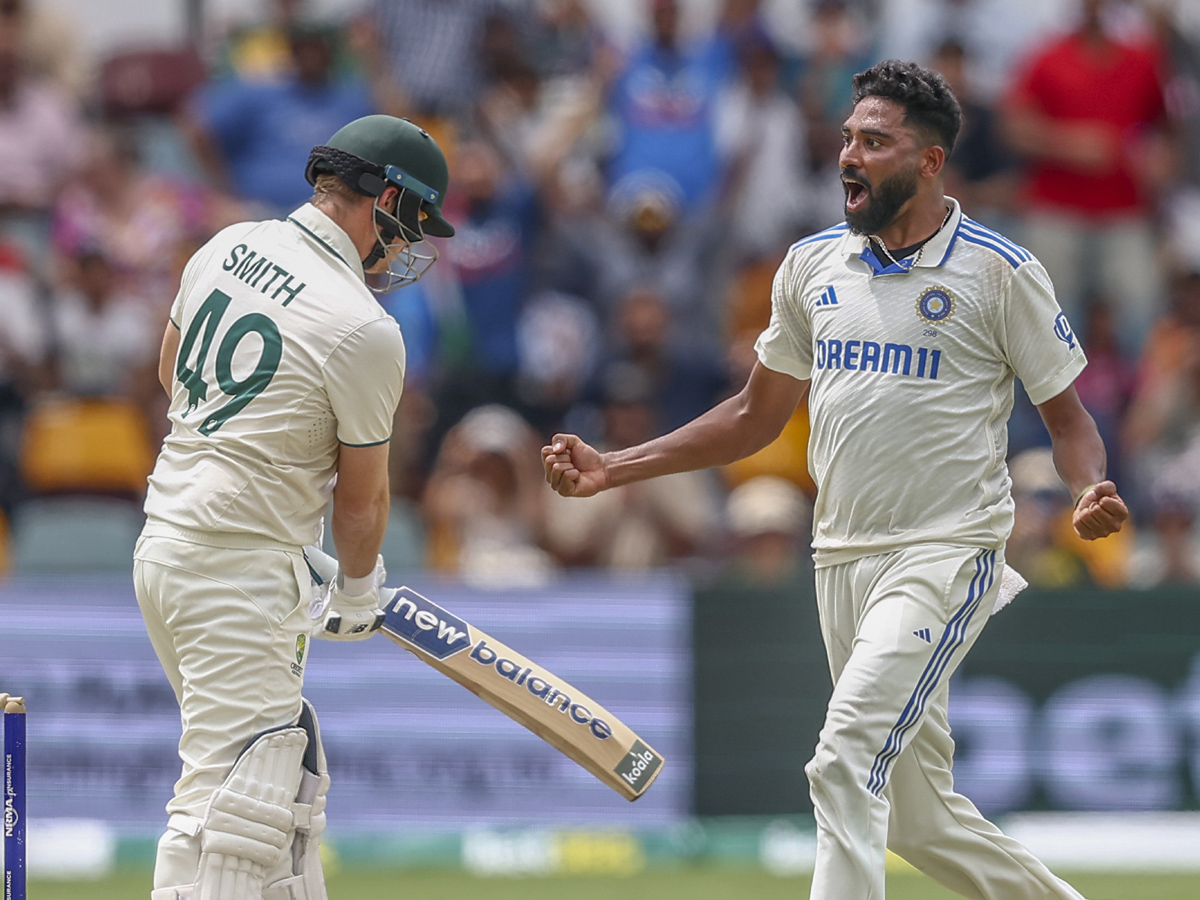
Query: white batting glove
[344, 609]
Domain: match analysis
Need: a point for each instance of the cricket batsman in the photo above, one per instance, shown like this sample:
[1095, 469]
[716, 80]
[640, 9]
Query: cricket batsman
[283, 374]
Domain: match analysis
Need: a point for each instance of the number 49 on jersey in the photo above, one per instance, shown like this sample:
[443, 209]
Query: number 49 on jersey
[240, 393]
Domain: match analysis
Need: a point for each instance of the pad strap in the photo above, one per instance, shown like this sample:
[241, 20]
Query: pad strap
[185, 824]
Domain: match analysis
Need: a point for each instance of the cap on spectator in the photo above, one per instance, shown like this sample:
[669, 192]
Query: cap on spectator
[645, 194]
[1033, 472]
[767, 504]
[494, 429]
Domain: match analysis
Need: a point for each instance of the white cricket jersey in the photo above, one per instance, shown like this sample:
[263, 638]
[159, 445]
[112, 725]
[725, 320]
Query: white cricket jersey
[284, 353]
[912, 370]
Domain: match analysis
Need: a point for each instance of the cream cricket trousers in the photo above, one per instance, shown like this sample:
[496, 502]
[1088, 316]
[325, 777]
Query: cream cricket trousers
[231, 629]
[896, 626]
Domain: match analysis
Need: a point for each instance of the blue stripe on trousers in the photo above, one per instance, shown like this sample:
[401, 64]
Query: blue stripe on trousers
[952, 639]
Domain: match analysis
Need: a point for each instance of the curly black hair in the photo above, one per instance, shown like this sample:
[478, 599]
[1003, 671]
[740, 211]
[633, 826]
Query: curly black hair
[929, 104]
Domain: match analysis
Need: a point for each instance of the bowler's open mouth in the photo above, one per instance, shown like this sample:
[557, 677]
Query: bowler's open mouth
[857, 193]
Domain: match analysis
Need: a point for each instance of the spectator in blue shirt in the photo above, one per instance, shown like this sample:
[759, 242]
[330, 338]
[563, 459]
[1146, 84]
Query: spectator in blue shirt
[496, 223]
[662, 106]
[495, 215]
[253, 139]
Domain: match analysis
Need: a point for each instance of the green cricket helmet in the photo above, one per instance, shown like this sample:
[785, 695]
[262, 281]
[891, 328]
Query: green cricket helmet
[372, 152]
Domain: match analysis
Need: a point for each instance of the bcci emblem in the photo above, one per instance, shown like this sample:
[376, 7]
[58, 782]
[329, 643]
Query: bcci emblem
[935, 305]
[301, 646]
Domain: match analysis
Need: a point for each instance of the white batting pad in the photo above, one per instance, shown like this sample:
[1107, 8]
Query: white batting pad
[249, 819]
[307, 880]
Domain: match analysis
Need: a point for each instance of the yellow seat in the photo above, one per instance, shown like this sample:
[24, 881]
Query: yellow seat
[86, 445]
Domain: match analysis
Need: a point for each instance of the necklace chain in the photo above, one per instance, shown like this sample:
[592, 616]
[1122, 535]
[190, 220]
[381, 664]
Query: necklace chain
[920, 250]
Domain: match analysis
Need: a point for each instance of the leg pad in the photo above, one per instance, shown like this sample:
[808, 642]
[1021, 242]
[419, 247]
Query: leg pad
[306, 880]
[249, 821]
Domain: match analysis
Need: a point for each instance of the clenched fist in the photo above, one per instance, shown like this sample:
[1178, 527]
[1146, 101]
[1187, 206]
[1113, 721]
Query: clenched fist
[573, 467]
[1099, 512]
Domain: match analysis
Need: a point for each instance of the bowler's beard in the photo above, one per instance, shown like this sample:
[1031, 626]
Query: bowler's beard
[884, 202]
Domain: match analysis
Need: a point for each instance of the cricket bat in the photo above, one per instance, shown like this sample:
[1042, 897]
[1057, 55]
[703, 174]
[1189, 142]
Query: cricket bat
[558, 713]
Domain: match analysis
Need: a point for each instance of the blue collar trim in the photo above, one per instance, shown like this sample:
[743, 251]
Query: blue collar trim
[878, 267]
[953, 241]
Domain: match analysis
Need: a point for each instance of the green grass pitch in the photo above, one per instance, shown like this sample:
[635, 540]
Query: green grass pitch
[661, 884]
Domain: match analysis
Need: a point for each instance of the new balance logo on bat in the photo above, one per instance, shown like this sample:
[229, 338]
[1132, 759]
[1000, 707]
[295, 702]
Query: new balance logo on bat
[552, 696]
[923, 634]
[426, 625]
[442, 634]
[828, 297]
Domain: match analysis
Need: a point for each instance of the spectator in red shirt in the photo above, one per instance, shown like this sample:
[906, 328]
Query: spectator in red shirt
[1087, 111]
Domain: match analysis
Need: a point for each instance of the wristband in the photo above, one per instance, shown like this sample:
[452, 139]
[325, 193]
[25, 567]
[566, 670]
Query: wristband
[1081, 494]
[355, 587]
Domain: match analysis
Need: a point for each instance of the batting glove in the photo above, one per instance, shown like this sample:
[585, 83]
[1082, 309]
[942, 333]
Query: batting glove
[351, 610]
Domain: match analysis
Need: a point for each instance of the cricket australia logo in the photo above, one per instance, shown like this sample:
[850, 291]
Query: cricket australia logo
[1062, 331]
[935, 305]
[301, 646]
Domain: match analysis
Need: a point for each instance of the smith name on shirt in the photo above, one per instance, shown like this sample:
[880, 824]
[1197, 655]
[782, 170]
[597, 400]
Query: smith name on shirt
[869, 356]
[243, 265]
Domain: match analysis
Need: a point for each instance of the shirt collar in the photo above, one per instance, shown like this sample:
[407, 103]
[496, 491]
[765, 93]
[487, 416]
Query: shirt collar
[329, 235]
[937, 250]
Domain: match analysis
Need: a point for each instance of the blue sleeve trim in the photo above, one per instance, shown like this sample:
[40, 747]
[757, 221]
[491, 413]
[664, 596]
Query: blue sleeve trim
[827, 235]
[972, 239]
[973, 227]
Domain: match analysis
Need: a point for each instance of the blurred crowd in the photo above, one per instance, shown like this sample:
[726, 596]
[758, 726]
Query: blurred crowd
[621, 203]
